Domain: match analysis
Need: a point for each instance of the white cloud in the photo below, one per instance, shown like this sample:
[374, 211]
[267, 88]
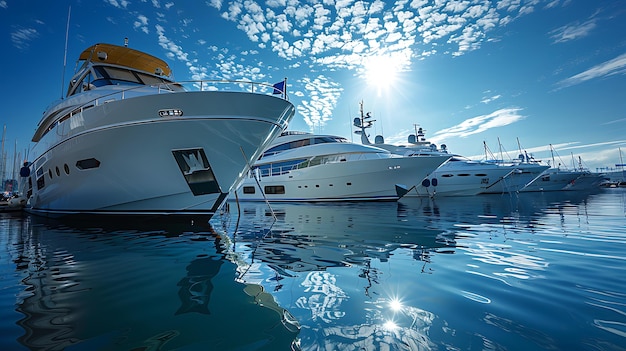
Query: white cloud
[215, 3]
[3, 4]
[572, 31]
[489, 99]
[479, 124]
[119, 4]
[141, 23]
[323, 95]
[22, 37]
[608, 68]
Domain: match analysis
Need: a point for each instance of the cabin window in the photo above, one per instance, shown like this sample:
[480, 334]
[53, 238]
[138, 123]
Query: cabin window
[40, 183]
[66, 168]
[248, 190]
[480, 175]
[447, 175]
[463, 175]
[88, 163]
[274, 189]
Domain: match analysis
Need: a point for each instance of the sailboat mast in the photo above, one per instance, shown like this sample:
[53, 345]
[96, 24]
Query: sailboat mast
[3, 158]
[621, 162]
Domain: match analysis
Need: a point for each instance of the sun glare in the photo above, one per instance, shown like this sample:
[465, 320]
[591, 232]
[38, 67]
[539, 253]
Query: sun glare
[381, 71]
[395, 305]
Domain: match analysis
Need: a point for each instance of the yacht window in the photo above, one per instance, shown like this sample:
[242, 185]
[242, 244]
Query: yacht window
[87, 163]
[279, 167]
[463, 175]
[480, 174]
[447, 175]
[274, 189]
[328, 139]
[248, 190]
[286, 146]
[121, 75]
[40, 183]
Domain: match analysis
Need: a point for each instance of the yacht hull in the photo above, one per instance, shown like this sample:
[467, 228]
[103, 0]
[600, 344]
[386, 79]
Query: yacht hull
[518, 177]
[123, 157]
[460, 179]
[366, 180]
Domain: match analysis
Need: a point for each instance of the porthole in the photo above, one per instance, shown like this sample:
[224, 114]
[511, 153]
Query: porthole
[50, 173]
[66, 168]
[58, 171]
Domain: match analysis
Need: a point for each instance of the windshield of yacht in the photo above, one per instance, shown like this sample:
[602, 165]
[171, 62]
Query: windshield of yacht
[116, 75]
[100, 76]
[303, 142]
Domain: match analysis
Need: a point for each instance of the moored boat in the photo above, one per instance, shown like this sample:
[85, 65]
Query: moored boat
[305, 167]
[459, 176]
[128, 139]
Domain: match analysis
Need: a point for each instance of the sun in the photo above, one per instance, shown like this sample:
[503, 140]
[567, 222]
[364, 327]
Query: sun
[382, 71]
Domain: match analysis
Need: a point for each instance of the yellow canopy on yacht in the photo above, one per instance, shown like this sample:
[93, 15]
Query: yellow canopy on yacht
[124, 56]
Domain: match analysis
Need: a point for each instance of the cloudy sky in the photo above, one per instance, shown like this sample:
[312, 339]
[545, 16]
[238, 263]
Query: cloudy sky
[508, 74]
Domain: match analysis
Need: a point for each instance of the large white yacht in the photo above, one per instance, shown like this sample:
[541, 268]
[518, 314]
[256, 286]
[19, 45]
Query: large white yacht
[309, 167]
[459, 176]
[128, 139]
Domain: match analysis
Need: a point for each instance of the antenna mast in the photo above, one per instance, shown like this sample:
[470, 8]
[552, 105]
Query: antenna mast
[67, 30]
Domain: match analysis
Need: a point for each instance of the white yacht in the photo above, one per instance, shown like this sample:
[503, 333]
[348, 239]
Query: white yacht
[309, 167]
[128, 139]
[564, 179]
[460, 176]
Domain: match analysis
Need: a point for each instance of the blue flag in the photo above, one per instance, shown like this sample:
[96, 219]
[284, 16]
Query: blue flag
[279, 87]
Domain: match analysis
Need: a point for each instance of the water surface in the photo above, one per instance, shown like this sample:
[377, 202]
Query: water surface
[534, 271]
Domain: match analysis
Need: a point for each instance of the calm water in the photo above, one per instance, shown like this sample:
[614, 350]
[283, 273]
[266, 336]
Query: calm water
[527, 272]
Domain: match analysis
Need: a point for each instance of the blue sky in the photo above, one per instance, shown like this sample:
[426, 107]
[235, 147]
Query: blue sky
[539, 72]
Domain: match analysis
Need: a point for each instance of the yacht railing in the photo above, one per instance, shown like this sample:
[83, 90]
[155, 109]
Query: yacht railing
[162, 88]
[194, 85]
[278, 169]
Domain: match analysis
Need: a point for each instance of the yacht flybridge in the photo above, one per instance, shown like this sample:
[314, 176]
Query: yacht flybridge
[127, 139]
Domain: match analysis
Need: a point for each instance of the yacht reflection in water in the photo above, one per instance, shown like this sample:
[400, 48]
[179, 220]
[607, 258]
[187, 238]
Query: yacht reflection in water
[354, 273]
[301, 255]
[156, 286]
